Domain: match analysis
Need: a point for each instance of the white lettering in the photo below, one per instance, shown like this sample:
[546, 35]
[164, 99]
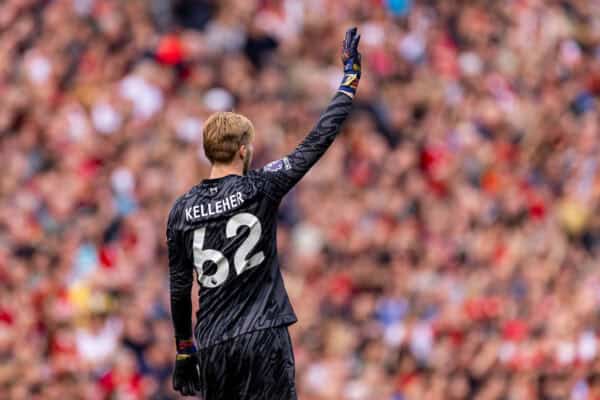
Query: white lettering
[226, 205]
[217, 207]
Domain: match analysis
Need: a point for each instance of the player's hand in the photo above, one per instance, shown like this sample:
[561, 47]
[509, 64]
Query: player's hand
[351, 60]
[186, 377]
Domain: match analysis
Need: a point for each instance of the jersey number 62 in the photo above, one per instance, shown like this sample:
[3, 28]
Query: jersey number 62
[240, 258]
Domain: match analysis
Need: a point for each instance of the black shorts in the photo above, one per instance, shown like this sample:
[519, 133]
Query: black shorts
[255, 366]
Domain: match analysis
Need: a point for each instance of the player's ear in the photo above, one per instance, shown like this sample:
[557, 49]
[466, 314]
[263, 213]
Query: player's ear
[243, 152]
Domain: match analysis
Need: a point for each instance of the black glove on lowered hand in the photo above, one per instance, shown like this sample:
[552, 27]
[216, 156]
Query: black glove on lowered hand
[186, 377]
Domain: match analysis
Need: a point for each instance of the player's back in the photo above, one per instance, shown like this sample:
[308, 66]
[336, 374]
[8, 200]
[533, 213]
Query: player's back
[228, 230]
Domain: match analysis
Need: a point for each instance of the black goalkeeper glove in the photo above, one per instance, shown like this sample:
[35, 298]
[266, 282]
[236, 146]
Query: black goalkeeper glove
[351, 60]
[186, 377]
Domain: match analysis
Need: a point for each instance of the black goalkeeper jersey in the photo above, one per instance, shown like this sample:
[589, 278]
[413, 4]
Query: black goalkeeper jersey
[225, 229]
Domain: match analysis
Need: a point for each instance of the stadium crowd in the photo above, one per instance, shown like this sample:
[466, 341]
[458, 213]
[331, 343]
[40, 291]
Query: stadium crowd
[445, 248]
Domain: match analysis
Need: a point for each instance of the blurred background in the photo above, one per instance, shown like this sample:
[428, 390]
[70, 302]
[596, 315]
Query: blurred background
[445, 248]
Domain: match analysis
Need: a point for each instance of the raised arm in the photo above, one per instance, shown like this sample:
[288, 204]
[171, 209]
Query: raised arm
[281, 175]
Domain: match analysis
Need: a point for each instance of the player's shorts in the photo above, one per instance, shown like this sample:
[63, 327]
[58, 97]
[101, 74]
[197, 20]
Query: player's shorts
[255, 366]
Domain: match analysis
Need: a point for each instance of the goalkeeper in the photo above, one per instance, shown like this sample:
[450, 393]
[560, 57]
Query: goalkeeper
[225, 229]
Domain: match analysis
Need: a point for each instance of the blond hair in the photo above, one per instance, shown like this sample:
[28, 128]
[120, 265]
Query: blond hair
[224, 133]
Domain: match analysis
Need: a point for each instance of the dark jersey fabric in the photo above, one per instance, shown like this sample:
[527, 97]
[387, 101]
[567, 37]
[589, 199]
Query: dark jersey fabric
[226, 229]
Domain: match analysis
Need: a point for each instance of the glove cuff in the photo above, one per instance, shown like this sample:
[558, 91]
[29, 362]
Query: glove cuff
[351, 77]
[185, 346]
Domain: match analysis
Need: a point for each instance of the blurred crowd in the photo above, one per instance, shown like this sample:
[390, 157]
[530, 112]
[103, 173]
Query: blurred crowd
[445, 248]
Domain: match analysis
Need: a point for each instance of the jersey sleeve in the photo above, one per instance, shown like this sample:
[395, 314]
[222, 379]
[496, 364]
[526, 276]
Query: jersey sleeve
[280, 176]
[181, 275]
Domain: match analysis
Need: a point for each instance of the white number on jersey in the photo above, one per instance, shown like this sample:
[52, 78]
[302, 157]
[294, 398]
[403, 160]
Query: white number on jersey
[240, 258]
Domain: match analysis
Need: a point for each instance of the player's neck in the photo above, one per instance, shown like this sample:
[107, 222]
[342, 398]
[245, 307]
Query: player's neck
[221, 170]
